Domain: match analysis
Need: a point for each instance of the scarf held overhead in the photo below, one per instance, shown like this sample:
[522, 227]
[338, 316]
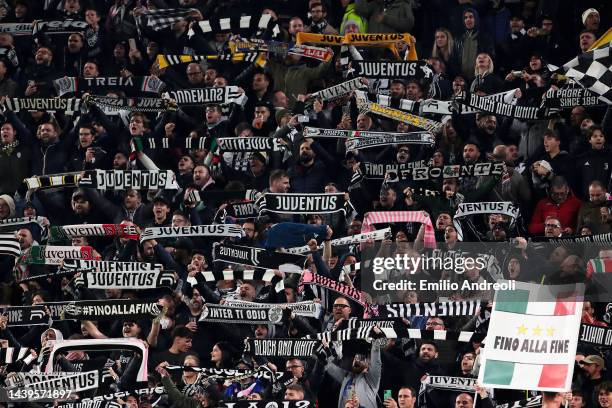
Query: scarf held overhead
[110, 266]
[67, 106]
[129, 179]
[293, 203]
[93, 230]
[365, 142]
[203, 96]
[390, 217]
[256, 257]
[217, 230]
[377, 235]
[452, 171]
[392, 69]
[110, 309]
[55, 255]
[126, 280]
[100, 85]
[227, 314]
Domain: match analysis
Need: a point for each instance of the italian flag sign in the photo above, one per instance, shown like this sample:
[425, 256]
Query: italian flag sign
[532, 337]
[598, 265]
[54, 255]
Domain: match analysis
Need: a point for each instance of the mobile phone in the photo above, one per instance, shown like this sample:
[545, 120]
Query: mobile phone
[387, 394]
[132, 43]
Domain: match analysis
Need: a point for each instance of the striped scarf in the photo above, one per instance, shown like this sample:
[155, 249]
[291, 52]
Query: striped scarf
[163, 18]
[387, 217]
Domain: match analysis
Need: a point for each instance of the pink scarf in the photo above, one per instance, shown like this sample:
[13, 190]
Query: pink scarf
[385, 217]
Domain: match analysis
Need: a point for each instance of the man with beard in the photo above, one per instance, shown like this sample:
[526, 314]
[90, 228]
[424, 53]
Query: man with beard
[471, 155]
[485, 134]
[318, 23]
[362, 381]
[594, 212]
[466, 364]
[425, 363]
[310, 174]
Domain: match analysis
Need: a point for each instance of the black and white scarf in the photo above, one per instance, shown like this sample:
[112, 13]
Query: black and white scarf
[26, 316]
[217, 230]
[129, 179]
[9, 355]
[444, 382]
[110, 266]
[125, 280]
[404, 310]
[338, 91]
[110, 309]
[377, 235]
[468, 209]
[392, 69]
[74, 382]
[257, 257]
[295, 203]
[138, 144]
[267, 404]
[204, 96]
[566, 98]
[68, 106]
[345, 290]
[361, 333]
[598, 335]
[306, 308]
[503, 109]
[164, 18]
[213, 197]
[263, 25]
[377, 171]
[533, 402]
[9, 245]
[250, 144]
[108, 400]
[112, 104]
[417, 138]
[230, 373]
[265, 275]
[241, 211]
[227, 314]
[44, 27]
[283, 348]
[52, 180]
[602, 239]
[451, 171]
[100, 85]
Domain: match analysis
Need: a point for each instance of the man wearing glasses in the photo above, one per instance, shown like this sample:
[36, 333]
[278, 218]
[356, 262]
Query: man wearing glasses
[340, 310]
[561, 203]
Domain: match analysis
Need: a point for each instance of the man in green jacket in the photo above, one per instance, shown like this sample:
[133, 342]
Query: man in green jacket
[178, 399]
[386, 16]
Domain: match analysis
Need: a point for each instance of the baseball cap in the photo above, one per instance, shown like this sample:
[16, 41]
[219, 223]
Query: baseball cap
[594, 359]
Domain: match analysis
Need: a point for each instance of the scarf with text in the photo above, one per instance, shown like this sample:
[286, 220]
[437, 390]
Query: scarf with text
[305, 308]
[377, 235]
[9, 245]
[444, 309]
[267, 404]
[283, 348]
[365, 134]
[532, 402]
[503, 109]
[138, 144]
[295, 203]
[112, 104]
[129, 179]
[602, 239]
[250, 144]
[598, 335]
[110, 309]
[225, 314]
[281, 49]
[101, 85]
[418, 138]
[256, 257]
[166, 17]
[241, 211]
[55, 255]
[229, 373]
[451, 171]
[377, 171]
[390, 217]
[26, 316]
[392, 69]
[364, 105]
[256, 26]
[203, 96]
[52, 180]
[315, 279]
[15, 224]
[67, 106]
[105, 401]
[217, 197]
[44, 27]
[74, 382]
[368, 40]
[450, 383]
[169, 60]
[469, 209]
[217, 230]
[338, 91]
[566, 98]
[265, 275]
[93, 230]
[125, 280]
[110, 266]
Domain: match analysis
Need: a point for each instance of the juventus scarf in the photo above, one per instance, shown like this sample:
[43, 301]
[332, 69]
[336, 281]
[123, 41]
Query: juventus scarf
[67, 106]
[468, 209]
[368, 40]
[52, 180]
[218, 230]
[256, 257]
[389, 217]
[129, 179]
[168, 60]
[601, 336]
[603, 239]
[377, 171]
[499, 108]
[105, 401]
[452, 171]
[247, 25]
[265, 275]
[250, 144]
[241, 211]
[377, 235]
[365, 106]
[229, 373]
[25, 316]
[354, 294]
[445, 309]
[93, 230]
[294, 203]
[15, 224]
[281, 49]
[283, 348]
[73, 382]
[126, 280]
[306, 308]
[450, 383]
[204, 96]
[569, 97]
[164, 18]
[55, 255]
[418, 138]
[9, 355]
[9, 245]
[409, 138]
[217, 197]
[100, 85]
[112, 104]
[392, 69]
[338, 91]
[226, 314]
[110, 309]
[532, 402]
[110, 266]
[362, 333]
[44, 27]
[267, 404]
[138, 144]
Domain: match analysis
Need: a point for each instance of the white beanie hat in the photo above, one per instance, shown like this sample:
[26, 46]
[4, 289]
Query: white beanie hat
[10, 202]
[586, 14]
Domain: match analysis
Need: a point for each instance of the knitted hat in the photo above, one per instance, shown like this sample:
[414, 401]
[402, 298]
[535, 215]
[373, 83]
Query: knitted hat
[10, 202]
[587, 13]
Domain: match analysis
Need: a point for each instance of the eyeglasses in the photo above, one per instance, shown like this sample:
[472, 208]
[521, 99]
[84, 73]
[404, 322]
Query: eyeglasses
[338, 306]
